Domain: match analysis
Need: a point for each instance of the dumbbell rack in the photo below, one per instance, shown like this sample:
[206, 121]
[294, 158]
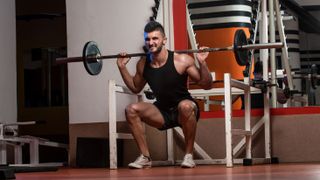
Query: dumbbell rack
[274, 8]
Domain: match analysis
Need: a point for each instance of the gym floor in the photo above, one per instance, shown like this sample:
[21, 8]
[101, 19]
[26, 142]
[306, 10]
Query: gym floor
[202, 172]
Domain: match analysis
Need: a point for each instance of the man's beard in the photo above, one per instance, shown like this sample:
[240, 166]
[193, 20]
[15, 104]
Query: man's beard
[158, 50]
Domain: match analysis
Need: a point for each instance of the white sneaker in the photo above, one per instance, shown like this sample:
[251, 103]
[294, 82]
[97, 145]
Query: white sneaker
[188, 161]
[141, 162]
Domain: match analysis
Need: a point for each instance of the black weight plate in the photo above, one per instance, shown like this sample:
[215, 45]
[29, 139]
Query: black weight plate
[314, 72]
[90, 61]
[241, 55]
[283, 95]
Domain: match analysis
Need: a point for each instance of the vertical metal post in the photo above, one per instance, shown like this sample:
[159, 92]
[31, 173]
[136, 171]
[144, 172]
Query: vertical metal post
[263, 35]
[228, 117]
[3, 152]
[3, 146]
[18, 154]
[112, 125]
[247, 105]
[264, 58]
[34, 151]
[206, 103]
[272, 34]
[267, 125]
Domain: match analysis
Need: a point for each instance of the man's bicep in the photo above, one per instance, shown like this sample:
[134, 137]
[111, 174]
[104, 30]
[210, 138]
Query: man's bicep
[139, 82]
[193, 73]
[138, 78]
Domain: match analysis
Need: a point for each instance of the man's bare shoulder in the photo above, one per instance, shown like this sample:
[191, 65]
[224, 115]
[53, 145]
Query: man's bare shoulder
[183, 58]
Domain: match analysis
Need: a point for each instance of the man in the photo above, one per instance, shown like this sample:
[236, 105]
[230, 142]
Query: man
[166, 73]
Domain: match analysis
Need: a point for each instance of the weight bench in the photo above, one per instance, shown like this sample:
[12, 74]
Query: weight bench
[18, 141]
[113, 134]
[235, 87]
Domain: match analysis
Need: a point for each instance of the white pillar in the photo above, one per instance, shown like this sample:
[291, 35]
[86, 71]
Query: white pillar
[264, 58]
[272, 34]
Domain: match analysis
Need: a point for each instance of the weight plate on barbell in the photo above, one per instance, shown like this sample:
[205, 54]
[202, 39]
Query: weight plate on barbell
[90, 61]
[314, 73]
[241, 55]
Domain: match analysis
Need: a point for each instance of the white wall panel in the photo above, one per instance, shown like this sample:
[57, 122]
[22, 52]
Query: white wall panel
[116, 25]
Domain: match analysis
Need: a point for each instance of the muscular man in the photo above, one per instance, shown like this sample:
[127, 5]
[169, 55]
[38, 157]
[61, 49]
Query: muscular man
[166, 73]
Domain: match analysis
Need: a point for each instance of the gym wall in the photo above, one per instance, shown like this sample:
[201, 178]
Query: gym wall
[116, 27]
[8, 77]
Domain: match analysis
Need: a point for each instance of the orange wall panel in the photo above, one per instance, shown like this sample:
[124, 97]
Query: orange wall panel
[221, 62]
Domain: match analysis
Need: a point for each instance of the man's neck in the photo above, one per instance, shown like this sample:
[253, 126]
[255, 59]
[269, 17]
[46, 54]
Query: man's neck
[160, 58]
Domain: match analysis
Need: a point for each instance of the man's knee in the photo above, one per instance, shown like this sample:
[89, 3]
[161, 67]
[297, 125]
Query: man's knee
[187, 108]
[131, 111]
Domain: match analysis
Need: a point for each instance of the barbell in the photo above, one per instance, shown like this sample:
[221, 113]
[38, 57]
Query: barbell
[92, 58]
[311, 75]
[284, 94]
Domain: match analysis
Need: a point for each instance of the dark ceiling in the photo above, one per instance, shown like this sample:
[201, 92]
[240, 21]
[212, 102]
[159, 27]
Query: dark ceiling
[39, 9]
[56, 8]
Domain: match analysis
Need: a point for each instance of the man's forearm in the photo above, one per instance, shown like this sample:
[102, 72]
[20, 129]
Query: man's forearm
[127, 79]
[205, 76]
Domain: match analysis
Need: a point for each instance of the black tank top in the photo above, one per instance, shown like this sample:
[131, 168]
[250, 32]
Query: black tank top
[168, 86]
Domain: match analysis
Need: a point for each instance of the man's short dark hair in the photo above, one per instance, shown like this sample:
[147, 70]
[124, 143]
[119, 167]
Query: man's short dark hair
[154, 26]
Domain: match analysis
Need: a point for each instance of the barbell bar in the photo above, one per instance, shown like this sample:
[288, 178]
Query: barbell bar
[230, 48]
[92, 58]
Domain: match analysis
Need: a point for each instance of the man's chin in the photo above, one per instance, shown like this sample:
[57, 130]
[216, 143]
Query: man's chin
[154, 50]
